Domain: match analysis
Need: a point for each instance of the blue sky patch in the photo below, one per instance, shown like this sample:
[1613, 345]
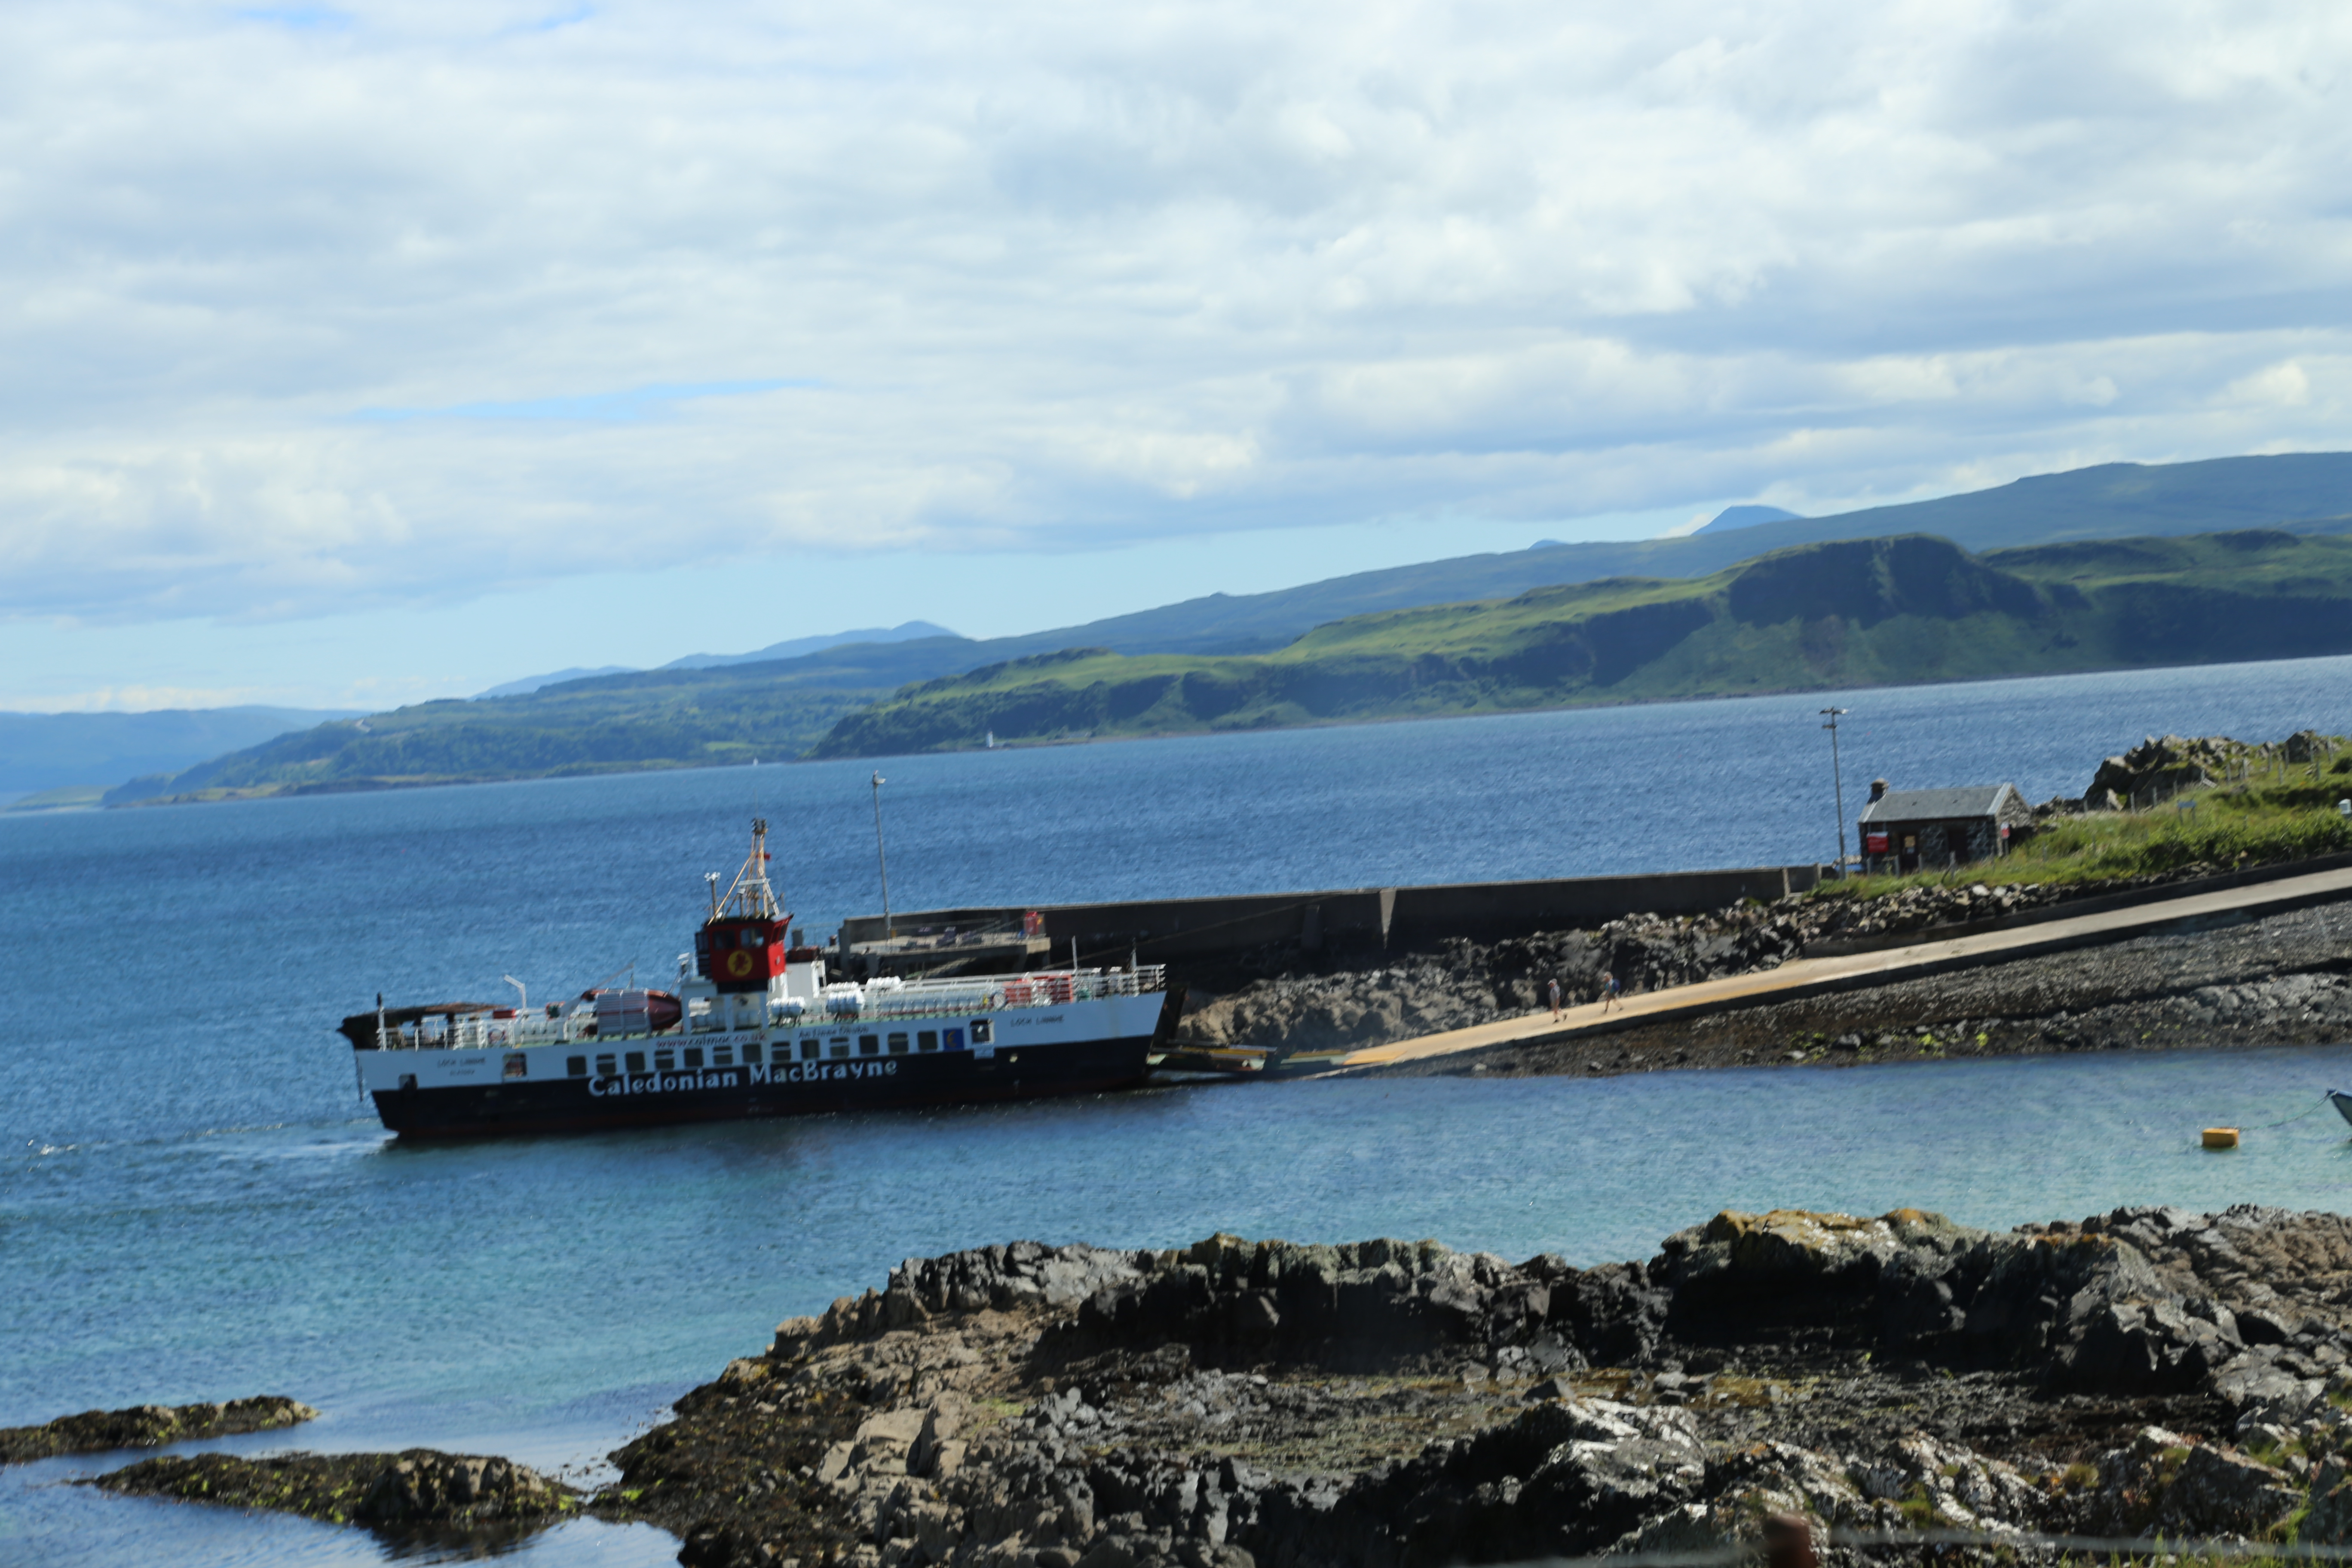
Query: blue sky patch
[296, 18]
[550, 23]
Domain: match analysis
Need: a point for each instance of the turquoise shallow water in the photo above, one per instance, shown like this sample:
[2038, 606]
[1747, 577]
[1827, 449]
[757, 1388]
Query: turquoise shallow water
[192, 1204]
[546, 1297]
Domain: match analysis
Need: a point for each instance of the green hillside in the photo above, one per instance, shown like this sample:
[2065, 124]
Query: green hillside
[2311, 491]
[612, 723]
[1853, 613]
[1862, 612]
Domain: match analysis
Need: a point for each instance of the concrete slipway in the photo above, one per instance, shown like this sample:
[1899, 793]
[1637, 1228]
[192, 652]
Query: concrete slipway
[1814, 976]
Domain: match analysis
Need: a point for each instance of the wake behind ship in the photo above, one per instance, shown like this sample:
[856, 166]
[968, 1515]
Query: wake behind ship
[758, 1030]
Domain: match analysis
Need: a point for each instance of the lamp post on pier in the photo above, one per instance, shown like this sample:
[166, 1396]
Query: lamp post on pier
[882, 860]
[1837, 781]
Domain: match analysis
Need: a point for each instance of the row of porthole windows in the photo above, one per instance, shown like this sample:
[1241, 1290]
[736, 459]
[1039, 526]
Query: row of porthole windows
[669, 1059]
[813, 1048]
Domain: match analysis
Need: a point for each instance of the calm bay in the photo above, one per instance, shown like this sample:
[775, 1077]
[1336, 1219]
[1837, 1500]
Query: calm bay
[195, 1205]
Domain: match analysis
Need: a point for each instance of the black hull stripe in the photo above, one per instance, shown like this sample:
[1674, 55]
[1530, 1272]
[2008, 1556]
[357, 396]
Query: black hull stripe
[567, 1105]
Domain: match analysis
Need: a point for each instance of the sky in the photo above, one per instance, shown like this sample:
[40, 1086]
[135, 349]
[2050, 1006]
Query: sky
[362, 353]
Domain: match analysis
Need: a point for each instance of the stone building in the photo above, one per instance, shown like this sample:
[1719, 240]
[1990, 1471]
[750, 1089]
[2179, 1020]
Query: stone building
[1929, 829]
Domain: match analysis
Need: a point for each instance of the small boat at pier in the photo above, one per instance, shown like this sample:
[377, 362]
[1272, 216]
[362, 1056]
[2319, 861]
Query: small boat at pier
[756, 1027]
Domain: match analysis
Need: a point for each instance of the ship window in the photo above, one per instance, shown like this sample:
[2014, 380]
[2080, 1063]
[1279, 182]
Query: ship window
[694, 1056]
[577, 1067]
[664, 1061]
[927, 1040]
[517, 1066]
[606, 1068]
[811, 1049]
[751, 1052]
[838, 1047]
[869, 1045]
[723, 1058]
[980, 1031]
[408, 1081]
[637, 1061]
[955, 1039]
[897, 1044]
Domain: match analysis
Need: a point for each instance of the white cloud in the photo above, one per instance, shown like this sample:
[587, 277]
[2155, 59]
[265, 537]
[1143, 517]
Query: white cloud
[2281, 385]
[381, 304]
[139, 698]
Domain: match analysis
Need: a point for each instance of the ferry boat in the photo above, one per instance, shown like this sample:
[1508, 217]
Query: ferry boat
[756, 1028]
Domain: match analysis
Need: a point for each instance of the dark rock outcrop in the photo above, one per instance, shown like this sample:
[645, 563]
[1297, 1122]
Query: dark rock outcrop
[148, 1426]
[2162, 765]
[2166, 762]
[1397, 1403]
[419, 1491]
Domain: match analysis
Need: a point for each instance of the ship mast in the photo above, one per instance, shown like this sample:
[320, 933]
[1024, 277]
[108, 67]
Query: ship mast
[751, 897]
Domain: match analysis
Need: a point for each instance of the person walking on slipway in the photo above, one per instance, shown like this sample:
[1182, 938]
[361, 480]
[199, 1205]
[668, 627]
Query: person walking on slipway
[1555, 1001]
[1607, 990]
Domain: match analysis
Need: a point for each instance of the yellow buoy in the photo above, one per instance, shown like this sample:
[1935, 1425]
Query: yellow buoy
[2221, 1137]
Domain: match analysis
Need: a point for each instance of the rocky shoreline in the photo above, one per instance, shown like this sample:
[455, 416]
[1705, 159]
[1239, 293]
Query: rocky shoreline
[2282, 981]
[1395, 1404]
[1270, 1404]
[1296, 1002]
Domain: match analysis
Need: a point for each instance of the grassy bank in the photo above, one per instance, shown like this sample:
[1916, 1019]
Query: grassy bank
[2211, 829]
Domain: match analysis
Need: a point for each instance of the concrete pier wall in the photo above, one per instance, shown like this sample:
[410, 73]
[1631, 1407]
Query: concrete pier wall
[1162, 930]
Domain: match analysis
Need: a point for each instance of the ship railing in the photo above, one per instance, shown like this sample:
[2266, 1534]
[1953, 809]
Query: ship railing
[708, 1016]
[1041, 987]
[905, 999]
[487, 1032]
[1044, 987]
[910, 1003]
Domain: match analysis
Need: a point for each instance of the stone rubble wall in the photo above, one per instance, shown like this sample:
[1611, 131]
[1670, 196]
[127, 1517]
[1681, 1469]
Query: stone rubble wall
[1466, 983]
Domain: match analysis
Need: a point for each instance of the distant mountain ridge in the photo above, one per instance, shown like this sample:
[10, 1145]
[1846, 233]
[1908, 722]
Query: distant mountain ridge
[529, 683]
[685, 716]
[2307, 492]
[1863, 612]
[2303, 491]
[906, 631]
[793, 648]
[1733, 517]
[634, 721]
[45, 752]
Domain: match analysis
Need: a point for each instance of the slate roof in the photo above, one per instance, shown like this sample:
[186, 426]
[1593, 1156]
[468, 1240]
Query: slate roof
[1929, 805]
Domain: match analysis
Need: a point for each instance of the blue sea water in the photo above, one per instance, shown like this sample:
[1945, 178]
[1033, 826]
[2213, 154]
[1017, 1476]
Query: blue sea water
[195, 1205]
